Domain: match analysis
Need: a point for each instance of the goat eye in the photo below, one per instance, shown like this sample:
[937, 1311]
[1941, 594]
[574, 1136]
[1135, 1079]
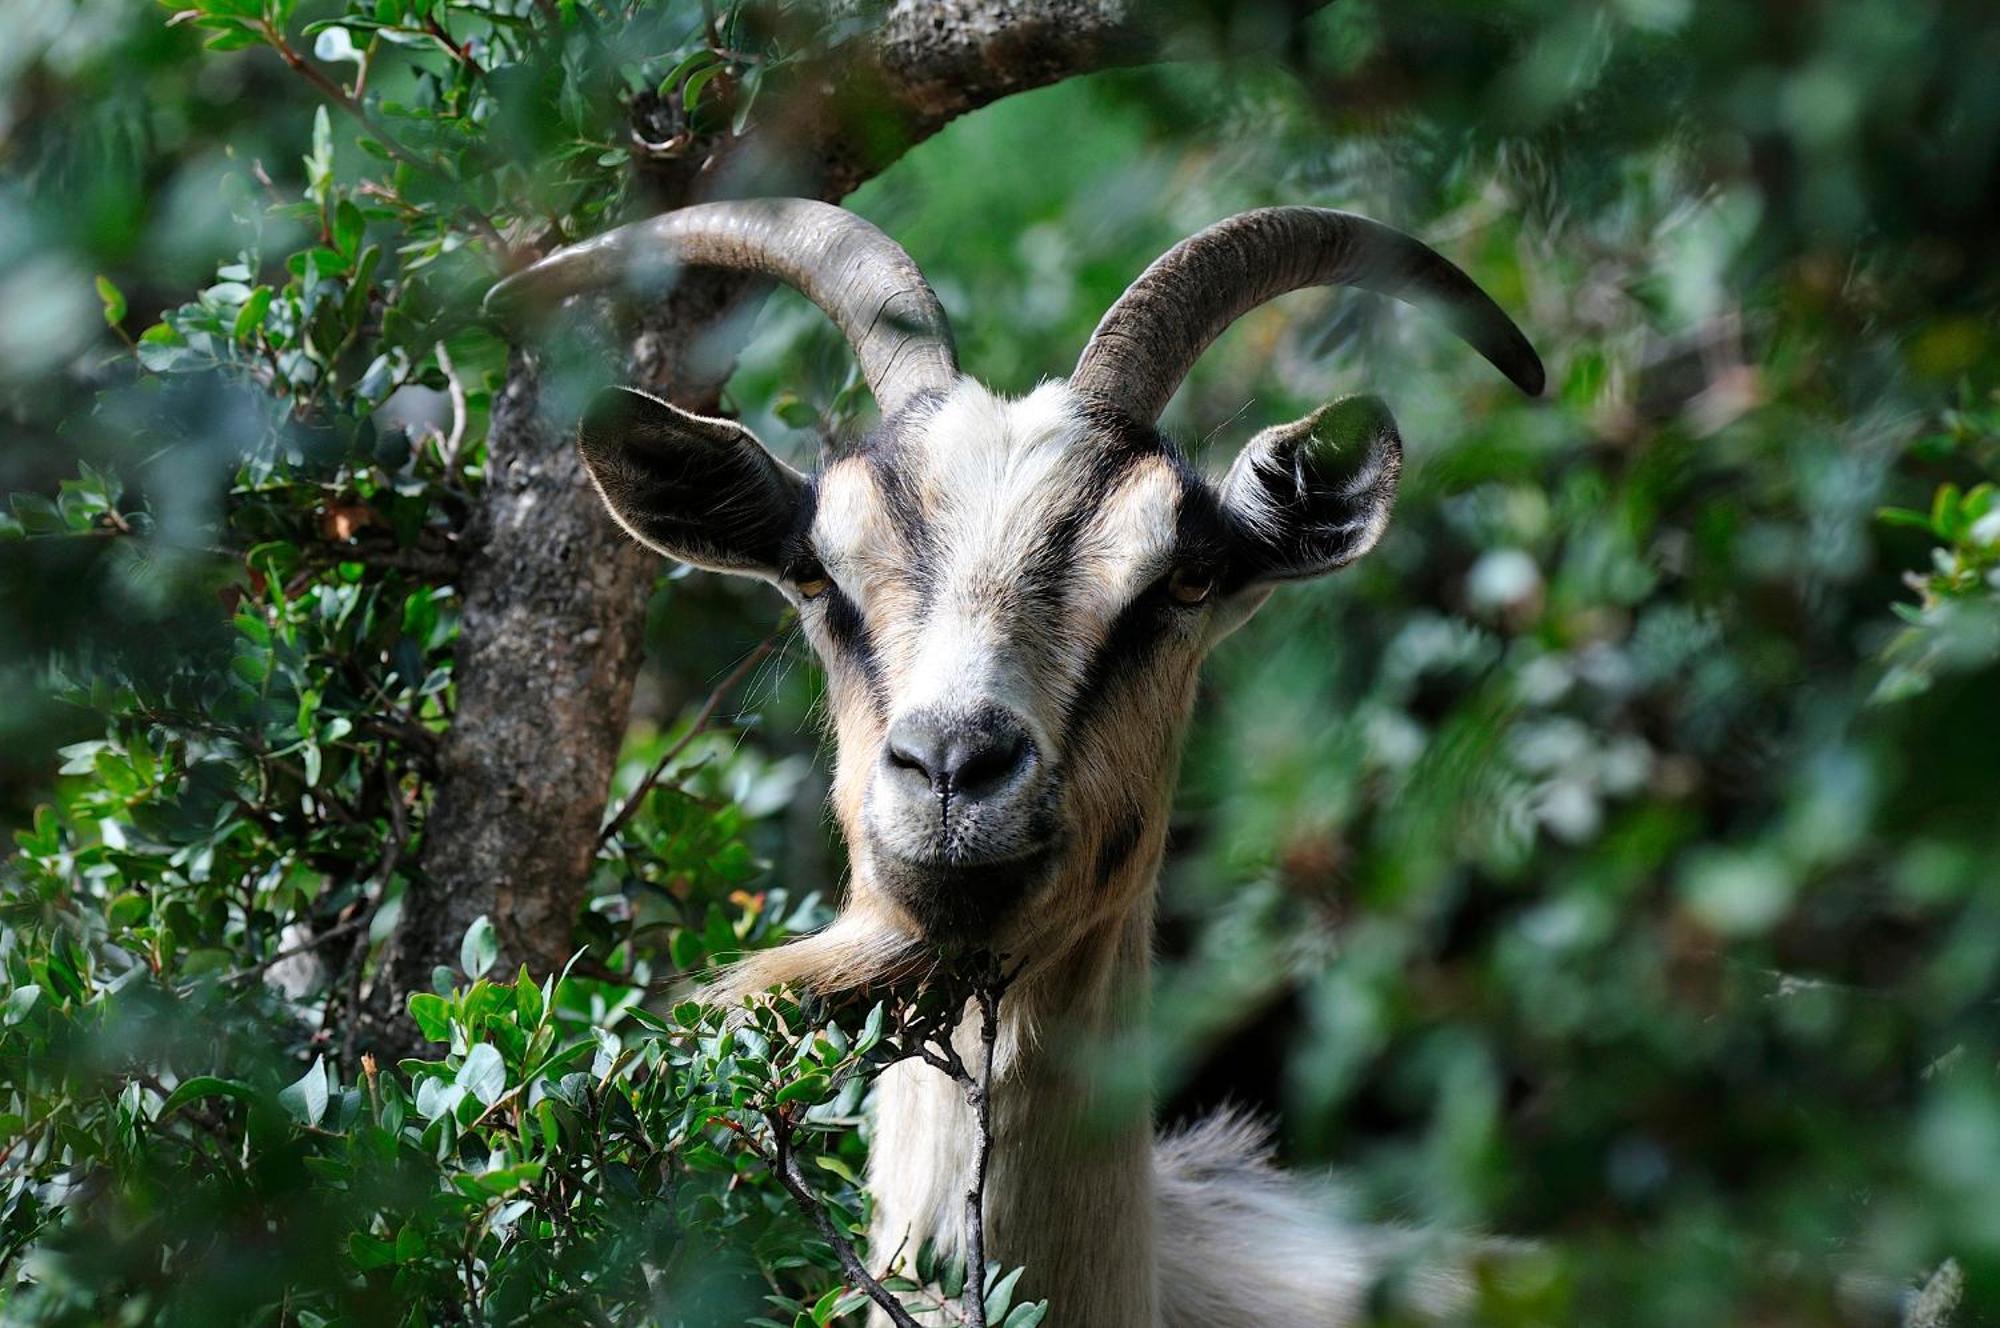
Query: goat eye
[811, 579]
[1190, 585]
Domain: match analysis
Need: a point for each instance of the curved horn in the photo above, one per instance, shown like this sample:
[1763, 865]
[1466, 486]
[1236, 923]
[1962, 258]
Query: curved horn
[1159, 327]
[862, 279]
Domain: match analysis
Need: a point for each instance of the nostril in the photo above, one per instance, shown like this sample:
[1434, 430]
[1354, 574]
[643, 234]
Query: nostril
[919, 746]
[987, 762]
[906, 758]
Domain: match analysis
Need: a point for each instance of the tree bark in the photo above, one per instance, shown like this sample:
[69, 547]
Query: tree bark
[551, 636]
[932, 61]
[554, 594]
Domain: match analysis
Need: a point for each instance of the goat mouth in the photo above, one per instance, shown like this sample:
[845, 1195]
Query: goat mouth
[961, 901]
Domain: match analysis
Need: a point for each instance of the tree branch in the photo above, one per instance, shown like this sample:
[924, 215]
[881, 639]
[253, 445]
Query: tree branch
[938, 59]
[931, 61]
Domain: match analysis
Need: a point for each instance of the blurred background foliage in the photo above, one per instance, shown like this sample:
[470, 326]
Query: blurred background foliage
[1607, 860]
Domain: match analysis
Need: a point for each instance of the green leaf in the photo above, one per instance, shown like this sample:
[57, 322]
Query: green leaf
[126, 908]
[235, 39]
[38, 515]
[480, 947]
[483, 1074]
[685, 949]
[113, 299]
[409, 1244]
[687, 66]
[1902, 516]
[871, 1031]
[204, 1086]
[319, 162]
[797, 413]
[251, 316]
[369, 1252]
[838, 1168]
[348, 225]
[505, 1180]
[1027, 1316]
[691, 90]
[1944, 510]
[1001, 1295]
[305, 1099]
[527, 998]
[66, 967]
[433, 1015]
[20, 1001]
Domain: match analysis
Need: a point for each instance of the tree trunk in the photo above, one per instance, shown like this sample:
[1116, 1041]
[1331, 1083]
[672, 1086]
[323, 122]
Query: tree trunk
[554, 593]
[550, 641]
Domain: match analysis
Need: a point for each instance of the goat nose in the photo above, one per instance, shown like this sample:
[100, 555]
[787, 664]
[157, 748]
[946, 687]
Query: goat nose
[960, 756]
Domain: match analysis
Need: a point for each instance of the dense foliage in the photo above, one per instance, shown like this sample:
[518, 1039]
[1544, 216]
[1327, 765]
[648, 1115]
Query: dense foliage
[1605, 860]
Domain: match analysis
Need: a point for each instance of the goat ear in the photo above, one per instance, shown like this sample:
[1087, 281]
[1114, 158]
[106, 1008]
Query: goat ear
[1311, 496]
[698, 489]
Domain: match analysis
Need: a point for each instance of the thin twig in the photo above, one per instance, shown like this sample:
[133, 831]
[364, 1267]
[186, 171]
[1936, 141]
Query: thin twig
[461, 52]
[416, 559]
[340, 97]
[701, 721]
[330, 934]
[403, 729]
[786, 1167]
[979, 1095]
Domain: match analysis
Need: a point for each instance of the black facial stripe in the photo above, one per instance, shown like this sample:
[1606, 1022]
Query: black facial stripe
[1200, 540]
[1048, 583]
[907, 518]
[1201, 535]
[887, 453]
[848, 631]
[1201, 531]
[845, 626]
[1048, 573]
[1135, 633]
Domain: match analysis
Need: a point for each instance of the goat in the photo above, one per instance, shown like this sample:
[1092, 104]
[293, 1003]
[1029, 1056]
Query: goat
[1011, 598]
